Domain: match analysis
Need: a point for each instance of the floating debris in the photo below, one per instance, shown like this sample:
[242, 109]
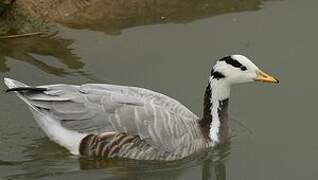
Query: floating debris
[21, 35]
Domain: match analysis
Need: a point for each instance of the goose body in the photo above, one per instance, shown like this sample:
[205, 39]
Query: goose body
[102, 120]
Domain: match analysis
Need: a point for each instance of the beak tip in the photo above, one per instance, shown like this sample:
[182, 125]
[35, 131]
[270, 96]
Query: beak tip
[277, 81]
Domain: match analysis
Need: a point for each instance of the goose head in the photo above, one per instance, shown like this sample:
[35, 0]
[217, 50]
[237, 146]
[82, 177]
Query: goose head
[227, 71]
[234, 69]
[237, 69]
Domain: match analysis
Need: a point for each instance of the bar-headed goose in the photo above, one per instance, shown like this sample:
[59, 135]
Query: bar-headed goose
[128, 122]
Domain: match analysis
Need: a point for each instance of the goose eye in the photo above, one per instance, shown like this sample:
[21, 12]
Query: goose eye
[243, 68]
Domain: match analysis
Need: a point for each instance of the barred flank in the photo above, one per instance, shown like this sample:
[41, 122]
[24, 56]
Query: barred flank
[110, 145]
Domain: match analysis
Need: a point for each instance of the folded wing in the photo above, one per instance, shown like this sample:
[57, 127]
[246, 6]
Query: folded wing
[94, 108]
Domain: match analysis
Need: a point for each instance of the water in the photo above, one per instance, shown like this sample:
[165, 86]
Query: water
[171, 50]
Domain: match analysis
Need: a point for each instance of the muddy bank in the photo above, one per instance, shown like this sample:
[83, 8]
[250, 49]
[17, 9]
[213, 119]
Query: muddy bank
[111, 16]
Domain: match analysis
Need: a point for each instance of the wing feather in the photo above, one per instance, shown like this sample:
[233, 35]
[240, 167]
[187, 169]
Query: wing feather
[95, 108]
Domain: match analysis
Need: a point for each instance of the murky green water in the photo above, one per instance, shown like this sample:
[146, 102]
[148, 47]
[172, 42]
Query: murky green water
[171, 50]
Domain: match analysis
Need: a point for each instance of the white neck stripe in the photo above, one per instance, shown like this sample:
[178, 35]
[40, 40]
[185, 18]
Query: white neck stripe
[219, 91]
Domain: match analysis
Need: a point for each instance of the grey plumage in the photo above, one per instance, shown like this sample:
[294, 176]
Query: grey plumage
[168, 128]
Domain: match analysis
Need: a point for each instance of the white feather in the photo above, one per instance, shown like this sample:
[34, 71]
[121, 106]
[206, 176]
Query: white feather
[53, 129]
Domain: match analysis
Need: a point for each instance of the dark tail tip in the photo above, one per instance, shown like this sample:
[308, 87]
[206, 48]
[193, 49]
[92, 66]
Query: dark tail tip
[26, 89]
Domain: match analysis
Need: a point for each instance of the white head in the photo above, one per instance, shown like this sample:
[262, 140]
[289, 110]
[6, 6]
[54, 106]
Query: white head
[237, 69]
[227, 71]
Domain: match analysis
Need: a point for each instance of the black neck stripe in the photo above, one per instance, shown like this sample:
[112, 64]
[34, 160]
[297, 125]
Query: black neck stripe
[206, 120]
[217, 75]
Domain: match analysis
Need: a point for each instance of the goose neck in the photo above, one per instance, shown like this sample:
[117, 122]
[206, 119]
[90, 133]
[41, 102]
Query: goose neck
[215, 116]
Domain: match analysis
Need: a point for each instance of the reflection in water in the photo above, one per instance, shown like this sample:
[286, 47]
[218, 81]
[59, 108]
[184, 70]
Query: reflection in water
[47, 158]
[111, 16]
[27, 49]
[211, 163]
[43, 157]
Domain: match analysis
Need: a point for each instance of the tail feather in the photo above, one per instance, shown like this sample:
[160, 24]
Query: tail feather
[11, 83]
[18, 89]
[67, 138]
[15, 85]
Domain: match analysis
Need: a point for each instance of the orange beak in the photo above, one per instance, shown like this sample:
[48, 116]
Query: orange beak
[265, 78]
